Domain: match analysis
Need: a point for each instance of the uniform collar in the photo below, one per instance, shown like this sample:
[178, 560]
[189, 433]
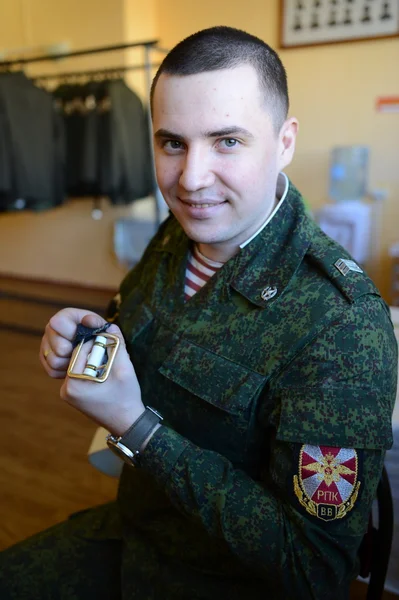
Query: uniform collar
[265, 266]
[281, 193]
[172, 238]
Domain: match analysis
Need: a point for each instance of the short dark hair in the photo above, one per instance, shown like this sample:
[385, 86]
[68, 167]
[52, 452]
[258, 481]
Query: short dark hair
[223, 48]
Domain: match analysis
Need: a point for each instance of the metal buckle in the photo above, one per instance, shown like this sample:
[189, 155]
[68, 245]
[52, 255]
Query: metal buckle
[101, 371]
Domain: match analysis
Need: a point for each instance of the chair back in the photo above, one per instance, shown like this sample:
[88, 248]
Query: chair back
[375, 548]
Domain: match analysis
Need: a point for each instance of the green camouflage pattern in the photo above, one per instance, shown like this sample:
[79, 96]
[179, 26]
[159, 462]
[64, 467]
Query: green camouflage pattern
[74, 560]
[243, 383]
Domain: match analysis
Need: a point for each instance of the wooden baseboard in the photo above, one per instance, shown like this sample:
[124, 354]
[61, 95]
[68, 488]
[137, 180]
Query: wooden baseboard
[52, 281]
[27, 303]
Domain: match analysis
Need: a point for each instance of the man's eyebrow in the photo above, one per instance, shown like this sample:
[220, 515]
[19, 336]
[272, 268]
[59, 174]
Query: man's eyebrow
[233, 130]
[165, 133]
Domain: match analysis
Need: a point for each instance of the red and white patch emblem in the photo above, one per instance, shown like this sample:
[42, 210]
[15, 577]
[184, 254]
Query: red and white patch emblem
[327, 484]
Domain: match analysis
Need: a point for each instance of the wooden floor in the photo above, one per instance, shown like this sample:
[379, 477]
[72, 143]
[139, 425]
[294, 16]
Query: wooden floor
[44, 472]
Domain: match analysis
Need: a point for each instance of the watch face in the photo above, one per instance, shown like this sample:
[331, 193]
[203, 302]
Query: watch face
[124, 453]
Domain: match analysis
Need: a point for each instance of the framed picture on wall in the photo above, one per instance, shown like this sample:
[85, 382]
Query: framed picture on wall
[313, 22]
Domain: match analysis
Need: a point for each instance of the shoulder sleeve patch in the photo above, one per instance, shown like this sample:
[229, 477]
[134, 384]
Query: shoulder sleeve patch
[327, 484]
[344, 273]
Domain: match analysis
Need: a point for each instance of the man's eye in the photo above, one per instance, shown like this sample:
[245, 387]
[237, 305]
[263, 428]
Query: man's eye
[230, 142]
[172, 145]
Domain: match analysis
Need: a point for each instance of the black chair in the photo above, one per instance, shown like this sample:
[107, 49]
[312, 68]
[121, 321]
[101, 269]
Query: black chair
[375, 549]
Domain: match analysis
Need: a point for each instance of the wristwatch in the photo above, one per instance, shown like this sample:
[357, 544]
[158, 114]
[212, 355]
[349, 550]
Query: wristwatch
[128, 445]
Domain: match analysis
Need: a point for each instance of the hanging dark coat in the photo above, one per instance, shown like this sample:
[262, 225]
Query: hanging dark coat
[31, 146]
[108, 143]
[134, 177]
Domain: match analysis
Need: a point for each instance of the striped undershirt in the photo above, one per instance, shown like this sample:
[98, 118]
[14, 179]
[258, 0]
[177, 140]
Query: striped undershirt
[199, 270]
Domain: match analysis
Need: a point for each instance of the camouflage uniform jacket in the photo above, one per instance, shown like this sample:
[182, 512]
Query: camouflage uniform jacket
[276, 382]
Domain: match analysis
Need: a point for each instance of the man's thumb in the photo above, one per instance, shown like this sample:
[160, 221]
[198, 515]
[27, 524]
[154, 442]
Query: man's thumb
[93, 321]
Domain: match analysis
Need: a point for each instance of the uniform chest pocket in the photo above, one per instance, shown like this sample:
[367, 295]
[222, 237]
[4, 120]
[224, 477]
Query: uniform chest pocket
[221, 383]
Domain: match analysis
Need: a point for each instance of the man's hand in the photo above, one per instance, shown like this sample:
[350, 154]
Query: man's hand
[114, 404]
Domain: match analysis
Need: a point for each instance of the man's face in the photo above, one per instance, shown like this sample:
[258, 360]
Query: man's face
[217, 155]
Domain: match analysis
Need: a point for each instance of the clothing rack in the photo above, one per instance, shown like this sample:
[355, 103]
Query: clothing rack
[147, 45]
[77, 53]
[92, 73]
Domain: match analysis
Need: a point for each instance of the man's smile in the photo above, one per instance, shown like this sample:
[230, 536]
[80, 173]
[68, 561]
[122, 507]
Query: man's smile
[195, 208]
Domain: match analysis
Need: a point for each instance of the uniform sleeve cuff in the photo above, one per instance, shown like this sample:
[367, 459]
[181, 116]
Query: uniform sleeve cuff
[162, 452]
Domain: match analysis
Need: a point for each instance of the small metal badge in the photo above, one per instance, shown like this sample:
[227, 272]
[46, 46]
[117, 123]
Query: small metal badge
[268, 293]
[344, 266]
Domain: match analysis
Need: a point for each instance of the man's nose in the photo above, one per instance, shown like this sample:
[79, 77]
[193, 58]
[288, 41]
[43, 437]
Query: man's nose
[196, 171]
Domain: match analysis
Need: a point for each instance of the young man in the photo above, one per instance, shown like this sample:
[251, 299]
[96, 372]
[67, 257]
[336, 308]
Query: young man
[269, 354]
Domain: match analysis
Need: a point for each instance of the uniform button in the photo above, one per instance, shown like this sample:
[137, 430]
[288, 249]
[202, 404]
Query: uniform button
[268, 293]
[165, 240]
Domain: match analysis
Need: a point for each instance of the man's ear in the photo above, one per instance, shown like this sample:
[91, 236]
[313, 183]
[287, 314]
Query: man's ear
[287, 137]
